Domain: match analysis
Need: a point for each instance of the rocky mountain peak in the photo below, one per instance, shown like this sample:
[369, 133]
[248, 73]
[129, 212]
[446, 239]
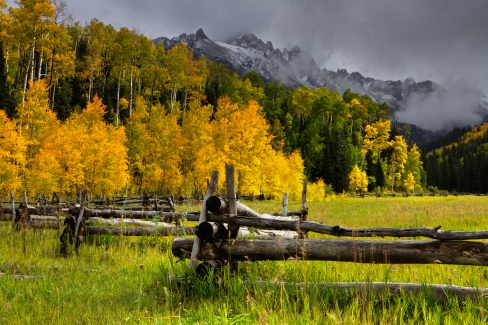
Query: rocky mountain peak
[252, 41]
[200, 34]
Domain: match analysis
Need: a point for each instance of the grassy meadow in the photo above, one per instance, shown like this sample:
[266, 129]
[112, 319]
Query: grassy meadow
[125, 280]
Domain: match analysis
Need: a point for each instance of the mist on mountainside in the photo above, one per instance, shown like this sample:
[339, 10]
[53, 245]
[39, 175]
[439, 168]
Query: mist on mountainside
[456, 104]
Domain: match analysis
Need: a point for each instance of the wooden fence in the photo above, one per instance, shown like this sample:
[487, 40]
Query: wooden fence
[223, 221]
[216, 244]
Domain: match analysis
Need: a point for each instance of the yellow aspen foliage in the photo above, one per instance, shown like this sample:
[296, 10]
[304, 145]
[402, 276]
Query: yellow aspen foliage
[101, 149]
[358, 180]
[184, 74]
[198, 147]
[398, 159]
[163, 145]
[65, 148]
[5, 20]
[43, 175]
[242, 138]
[36, 119]
[293, 175]
[136, 142]
[271, 180]
[414, 164]
[91, 115]
[154, 142]
[280, 173]
[239, 135]
[410, 182]
[302, 101]
[317, 192]
[12, 156]
[38, 124]
[376, 137]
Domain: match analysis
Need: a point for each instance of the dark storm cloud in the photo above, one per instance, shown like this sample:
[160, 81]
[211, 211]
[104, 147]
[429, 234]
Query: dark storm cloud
[440, 40]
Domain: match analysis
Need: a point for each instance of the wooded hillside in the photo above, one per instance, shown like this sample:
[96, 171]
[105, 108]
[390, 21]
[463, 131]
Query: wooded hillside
[461, 166]
[107, 110]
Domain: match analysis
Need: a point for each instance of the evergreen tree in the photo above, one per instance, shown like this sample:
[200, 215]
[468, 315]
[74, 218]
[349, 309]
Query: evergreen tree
[7, 98]
[62, 105]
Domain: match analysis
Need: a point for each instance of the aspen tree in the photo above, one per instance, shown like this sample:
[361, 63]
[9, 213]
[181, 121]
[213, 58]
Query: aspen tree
[398, 159]
[12, 156]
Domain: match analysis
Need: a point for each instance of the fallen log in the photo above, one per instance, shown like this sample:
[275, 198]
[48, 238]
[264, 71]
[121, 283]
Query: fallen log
[211, 231]
[297, 225]
[36, 224]
[44, 218]
[298, 213]
[40, 211]
[359, 251]
[118, 231]
[218, 205]
[128, 221]
[246, 233]
[438, 291]
[114, 213]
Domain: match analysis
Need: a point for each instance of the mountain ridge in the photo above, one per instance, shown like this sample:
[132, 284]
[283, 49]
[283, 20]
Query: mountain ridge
[296, 67]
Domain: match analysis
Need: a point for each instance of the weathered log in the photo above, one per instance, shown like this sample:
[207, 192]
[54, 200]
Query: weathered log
[213, 231]
[283, 224]
[196, 243]
[128, 221]
[43, 218]
[37, 224]
[297, 214]
[140, 208]
[118, 231]
[247, 233]
[40, 211]
[218, 205]
[359, 251]
[438, 291]
[112, 213]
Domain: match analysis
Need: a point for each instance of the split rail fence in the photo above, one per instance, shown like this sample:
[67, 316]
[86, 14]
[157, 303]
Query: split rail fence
[216, 244]
[225, 226]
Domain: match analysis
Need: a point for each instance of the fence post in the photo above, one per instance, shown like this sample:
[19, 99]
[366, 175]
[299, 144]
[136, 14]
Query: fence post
[285, 204]
[26, 202]
[211, 188]
[304, 201]
[12, 204]
[230, 185]
[83, 199]
[304, 215]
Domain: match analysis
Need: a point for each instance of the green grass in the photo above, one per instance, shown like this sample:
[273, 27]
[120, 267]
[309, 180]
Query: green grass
[124, 280]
